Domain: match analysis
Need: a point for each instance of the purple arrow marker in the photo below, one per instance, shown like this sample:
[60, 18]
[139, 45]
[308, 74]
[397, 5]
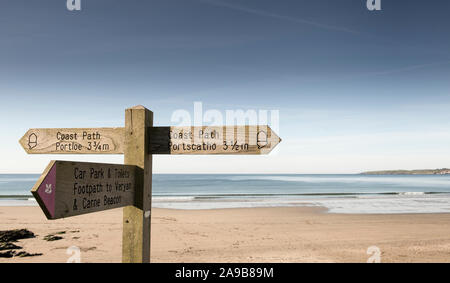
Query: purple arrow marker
[46, 192]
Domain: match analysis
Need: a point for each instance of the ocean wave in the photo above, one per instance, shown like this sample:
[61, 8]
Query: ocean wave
[324, 194]
[413, 181]
[395, 202]
[9, 180]
[413, 193]
[205, 197]
[23, 197]
[172, 198]
[288, 197]
[368, 205]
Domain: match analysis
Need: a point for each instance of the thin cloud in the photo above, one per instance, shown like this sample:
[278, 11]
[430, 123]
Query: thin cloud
[353, 76]
[410, 68]
[279, 17]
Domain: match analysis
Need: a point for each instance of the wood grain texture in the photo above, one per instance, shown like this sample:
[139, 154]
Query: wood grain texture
[137, 219]
[74, 141]
[225, 140]
[83, 187]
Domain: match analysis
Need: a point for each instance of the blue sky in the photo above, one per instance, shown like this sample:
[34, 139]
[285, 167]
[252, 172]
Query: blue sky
[356, 90]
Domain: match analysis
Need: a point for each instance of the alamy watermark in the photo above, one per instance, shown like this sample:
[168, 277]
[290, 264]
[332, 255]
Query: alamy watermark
[73, 5]
[239, 123]
[232, 117]
[375, 254]
[372, 5]
[75, 254]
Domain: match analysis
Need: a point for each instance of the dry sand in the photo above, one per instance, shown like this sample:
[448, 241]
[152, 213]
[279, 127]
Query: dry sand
[297, 234]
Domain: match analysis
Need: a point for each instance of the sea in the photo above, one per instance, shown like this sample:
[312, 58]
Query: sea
[362, 194]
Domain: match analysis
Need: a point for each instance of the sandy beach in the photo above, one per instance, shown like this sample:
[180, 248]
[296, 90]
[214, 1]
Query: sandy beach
[296, 234]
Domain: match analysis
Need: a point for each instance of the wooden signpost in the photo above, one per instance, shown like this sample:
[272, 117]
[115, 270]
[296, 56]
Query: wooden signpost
[74, 188]
[68, 189]
[213, 140]
[74, 141]
[163, 140]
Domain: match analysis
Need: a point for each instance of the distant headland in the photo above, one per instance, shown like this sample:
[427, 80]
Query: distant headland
[443, 171]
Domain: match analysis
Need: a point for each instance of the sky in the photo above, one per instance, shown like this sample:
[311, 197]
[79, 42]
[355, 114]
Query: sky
[356, 90]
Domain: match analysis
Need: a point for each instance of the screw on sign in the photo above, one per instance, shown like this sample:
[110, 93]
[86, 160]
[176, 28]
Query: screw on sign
[68, 188]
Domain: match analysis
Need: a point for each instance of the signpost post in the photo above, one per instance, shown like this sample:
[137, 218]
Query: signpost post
[73, 188]
[136, 219]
